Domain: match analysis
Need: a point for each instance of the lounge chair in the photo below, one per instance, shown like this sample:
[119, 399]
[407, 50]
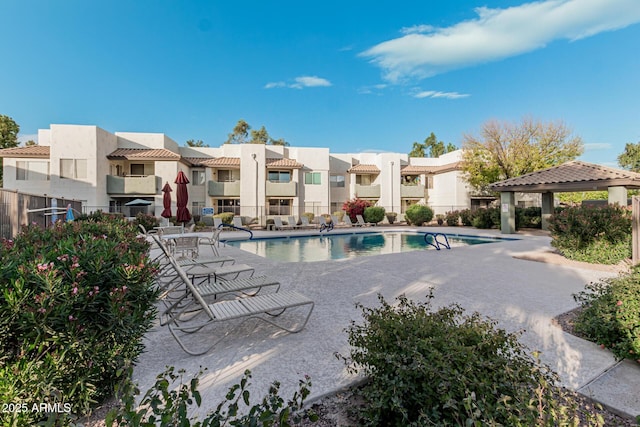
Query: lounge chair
[187, 246]
[181, 323]
[347, 222]
[335, 221]
[362, 223]
[293, 223]
[237, 222]
[305, 222]
[278, 225]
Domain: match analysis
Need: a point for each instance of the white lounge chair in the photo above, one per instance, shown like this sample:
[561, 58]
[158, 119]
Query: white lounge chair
[335, 221]
[305, 222]
[264, 307]
[237, 222]
[278, 225]
[362, 223]
[347, 221]
[293, 223]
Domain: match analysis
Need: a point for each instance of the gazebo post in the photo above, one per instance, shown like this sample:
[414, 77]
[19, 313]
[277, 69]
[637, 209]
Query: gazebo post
[547, 209]
[507, 212]
[617, 195]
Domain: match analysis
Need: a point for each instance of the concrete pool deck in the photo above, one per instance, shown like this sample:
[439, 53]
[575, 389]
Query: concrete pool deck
[520, 295]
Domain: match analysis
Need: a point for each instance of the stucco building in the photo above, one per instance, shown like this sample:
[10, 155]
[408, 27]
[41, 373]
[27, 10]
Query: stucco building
[106, 170]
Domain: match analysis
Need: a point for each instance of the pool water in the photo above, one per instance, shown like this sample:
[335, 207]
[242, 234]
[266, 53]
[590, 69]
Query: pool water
[343, 246]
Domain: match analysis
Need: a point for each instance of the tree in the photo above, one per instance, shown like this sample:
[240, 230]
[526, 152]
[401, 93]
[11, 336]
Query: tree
[194, 143]
[30, 143]
[260, 136]
[240, 133]
[432, 147]
[507, 150]
[8, 136]
[279, 141]
[630, 158]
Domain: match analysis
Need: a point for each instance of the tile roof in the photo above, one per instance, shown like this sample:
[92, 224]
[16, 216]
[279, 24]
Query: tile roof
[283, 163]
[143, 153]
[570, 176]
[363, 168]
[39, 151]
[228, 162]
[198, 161]
[418, 170]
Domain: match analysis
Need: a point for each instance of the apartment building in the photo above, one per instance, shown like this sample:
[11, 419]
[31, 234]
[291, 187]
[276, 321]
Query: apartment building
[106, 170]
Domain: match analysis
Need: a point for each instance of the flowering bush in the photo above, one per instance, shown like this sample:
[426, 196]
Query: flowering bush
[592, 234]
[147, 221]
[355, 207]
[611, 314]
[76, 300]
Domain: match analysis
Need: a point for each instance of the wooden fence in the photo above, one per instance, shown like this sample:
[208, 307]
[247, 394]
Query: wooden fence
[15, 207]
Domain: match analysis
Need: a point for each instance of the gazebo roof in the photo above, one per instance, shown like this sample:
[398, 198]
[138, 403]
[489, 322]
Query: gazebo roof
[571, 176]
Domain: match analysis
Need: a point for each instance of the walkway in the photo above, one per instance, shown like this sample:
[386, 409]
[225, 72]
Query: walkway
[521, 295]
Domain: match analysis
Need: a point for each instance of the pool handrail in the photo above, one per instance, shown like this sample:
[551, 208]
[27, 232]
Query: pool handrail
[436, 243]
[237, 228]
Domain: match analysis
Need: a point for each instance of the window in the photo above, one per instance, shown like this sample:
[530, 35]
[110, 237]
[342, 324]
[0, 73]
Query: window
[336, 181]
[228, 205]
[312, 178]
[73, 168]
[279, 206]
[196, 208]
[363, 179]
[279, 176]
[32, 171]
[197, 177]
[228, 175]
[429, 182]
[137, 169]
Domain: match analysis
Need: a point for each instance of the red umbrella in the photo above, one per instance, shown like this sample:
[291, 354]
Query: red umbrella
[182, 215]
[166, 201]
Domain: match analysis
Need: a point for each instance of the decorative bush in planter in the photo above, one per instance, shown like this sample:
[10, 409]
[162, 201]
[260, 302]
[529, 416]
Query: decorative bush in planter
[374, 214]
[418, 214]
[391, 217]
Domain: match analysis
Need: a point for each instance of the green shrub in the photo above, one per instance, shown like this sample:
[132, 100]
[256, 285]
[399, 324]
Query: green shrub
[611, 314]
[374, 214]
[530, 217]
[486, 218]
[418, 214]
[452, 218]
[448, 369]
[167, 406]
[146, 220]
[339, 215]
[355, 207]
[391, 217]
[466, 216]
[594, 234]
[310, 216]
[225, 217]
[76, 300]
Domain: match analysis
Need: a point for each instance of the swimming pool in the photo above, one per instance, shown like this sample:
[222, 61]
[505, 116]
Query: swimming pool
[343, 246]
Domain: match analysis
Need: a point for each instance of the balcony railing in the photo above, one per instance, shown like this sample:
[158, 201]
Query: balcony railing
[281, 189]
[412, 191]
[368, 191]
[230, 189]
[149, 184]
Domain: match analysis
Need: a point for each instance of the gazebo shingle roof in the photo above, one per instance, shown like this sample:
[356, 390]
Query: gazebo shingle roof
[571, 176]
[363, 169]
[33, 151]
[143, 153]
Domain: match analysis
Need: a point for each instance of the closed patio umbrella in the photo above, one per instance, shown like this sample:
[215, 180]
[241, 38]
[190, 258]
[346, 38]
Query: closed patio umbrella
[182, 196]
[166, 201]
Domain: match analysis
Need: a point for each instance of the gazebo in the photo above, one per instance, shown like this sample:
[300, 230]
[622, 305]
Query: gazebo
[567, 177]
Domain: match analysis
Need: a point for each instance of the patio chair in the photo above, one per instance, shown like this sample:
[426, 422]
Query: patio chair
[278, 225]
[347, 221]
[293, 223]
[237, 222]
[336, 221]
[187, 246]
[362, 223]
[306, 223]
[171, 229]
[180, 322]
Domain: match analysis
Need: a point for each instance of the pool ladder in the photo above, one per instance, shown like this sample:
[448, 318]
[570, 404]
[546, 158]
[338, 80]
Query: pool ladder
[435, 242]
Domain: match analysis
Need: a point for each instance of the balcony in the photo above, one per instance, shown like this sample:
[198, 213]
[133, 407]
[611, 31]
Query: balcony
[281, 189]
[224, 189]
[412, 191]
[368, 191]
[149, 184]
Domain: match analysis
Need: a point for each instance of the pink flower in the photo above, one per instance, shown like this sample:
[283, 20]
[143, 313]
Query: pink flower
[71, 318]
[74, 291]
[619, 303]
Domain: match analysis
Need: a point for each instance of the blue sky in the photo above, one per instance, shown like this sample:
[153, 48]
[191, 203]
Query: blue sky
[349, 75]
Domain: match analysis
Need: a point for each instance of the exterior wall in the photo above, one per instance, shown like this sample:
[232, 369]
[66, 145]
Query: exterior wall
[94, 144]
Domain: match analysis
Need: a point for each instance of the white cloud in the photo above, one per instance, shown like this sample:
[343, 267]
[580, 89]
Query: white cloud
[438, 94]
[418, 29]
[496, 34]
[595, 146]
[300, 82]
